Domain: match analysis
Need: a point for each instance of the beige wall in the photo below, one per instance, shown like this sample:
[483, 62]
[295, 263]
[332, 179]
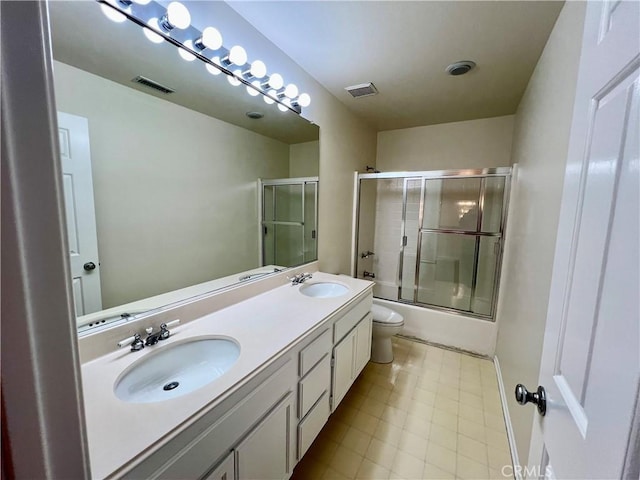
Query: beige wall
[347, 143]
[304, 159]
[471, 144]
[540, 146]
[175, 190]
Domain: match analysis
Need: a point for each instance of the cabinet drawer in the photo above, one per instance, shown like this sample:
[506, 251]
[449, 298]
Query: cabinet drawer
[312, 353]
[351, 318]
[311, 387]
[310, 427]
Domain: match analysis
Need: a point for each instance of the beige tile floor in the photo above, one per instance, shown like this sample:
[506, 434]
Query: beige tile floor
[431, 414]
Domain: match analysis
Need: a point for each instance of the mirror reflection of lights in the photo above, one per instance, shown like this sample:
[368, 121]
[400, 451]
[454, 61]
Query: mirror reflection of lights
[176, 16]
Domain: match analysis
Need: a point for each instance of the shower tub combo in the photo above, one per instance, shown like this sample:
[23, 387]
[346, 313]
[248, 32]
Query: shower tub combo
[432, 242]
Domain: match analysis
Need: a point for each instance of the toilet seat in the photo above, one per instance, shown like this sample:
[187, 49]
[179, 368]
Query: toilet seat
[384, 316]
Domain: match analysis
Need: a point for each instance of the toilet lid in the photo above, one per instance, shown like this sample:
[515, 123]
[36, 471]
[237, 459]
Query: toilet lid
[385, 315]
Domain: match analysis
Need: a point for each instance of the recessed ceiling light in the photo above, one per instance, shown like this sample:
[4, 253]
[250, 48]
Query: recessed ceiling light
[460, 68]
[255, 115]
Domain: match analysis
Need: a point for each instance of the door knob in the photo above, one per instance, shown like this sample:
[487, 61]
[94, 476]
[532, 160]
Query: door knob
[539, 397]
[89, 266]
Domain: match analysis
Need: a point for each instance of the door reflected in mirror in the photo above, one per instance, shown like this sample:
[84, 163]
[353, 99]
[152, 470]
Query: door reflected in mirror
[163, 192]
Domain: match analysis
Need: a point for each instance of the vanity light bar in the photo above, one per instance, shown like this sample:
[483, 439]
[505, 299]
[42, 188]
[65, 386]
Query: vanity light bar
[192, 44]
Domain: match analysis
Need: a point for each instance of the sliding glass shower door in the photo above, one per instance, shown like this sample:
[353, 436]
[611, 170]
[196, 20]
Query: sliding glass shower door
[450, 226]
[289, 221]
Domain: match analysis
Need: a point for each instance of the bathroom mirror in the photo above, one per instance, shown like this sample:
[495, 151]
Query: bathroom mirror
[172, 180]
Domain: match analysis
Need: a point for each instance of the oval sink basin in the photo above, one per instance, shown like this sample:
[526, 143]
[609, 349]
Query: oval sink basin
[323, 289]
[176, 370]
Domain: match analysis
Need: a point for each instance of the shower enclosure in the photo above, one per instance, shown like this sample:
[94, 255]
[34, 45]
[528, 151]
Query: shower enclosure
[288, 223]
[433, 238]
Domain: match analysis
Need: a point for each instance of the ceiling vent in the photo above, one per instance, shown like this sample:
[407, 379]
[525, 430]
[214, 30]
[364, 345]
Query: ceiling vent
[460, 68]
[147, 82]
[362, 90]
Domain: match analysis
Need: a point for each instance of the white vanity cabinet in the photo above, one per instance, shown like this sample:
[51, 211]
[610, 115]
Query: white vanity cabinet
[352, 339]
[350, 356]
[265, 427]
[257, 425]
[268, 451]
[314, 389]
[225, 471]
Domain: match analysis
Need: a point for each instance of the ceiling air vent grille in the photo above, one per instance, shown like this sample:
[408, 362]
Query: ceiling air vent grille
[147, 82]
[362, 90]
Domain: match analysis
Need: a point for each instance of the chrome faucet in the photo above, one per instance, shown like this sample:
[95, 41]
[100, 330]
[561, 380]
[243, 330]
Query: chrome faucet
[136, 343]
[366, 254]
[300, 278]
[366, 274]
[153, 338]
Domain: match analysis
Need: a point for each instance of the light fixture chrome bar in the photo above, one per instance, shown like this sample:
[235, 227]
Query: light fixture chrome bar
[162, 33]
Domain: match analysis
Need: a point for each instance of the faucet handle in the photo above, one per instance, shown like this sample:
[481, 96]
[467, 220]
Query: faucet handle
[172, 323]
[135, 342]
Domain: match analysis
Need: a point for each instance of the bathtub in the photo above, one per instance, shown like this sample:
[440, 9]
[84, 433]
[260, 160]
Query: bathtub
[452, 330]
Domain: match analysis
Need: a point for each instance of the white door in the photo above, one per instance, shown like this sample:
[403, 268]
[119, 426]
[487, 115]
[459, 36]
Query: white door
[591, 356]
[73, 132]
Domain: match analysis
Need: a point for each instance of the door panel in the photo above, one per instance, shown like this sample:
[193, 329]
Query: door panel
[343, 360]
[77, 182]
[591, 355]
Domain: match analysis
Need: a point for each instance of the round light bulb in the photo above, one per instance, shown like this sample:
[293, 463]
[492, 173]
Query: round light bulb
[258, 69]
[276, 81]
[187, 56]
[113, 15]
[269, 100]
[238, 55]
[233, 80]
[211, 38]
[304, 100]
[149, 32]
[211, 69]
[282, 108]
[253, 92]
[178, 15]
[142, 2]
[291, 91]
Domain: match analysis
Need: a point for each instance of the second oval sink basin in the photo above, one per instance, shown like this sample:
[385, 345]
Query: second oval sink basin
[177, 369]
[323, 289]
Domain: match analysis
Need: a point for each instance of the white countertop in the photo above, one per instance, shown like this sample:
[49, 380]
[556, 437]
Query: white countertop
[265, 326]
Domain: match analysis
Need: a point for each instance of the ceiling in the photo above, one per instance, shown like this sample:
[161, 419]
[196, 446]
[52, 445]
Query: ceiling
[403, 47]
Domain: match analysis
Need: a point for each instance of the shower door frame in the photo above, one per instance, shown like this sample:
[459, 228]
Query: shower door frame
[484, 173]
[262, 222]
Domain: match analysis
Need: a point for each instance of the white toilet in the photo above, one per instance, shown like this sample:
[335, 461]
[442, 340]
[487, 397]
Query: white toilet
[386, 323]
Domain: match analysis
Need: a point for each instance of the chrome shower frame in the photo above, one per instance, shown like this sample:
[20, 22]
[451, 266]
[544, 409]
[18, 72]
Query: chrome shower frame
[262, 223]
[484, 173]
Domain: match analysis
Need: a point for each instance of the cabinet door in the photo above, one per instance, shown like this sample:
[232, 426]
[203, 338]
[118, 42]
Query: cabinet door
[363, 345]
[224, 471]
[267, 453]
[343, 360]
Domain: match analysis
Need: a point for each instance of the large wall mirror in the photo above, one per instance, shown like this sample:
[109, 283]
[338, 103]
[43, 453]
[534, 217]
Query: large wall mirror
[187, 191]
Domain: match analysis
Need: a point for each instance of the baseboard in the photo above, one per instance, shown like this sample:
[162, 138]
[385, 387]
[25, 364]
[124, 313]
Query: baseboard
[507, 420]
